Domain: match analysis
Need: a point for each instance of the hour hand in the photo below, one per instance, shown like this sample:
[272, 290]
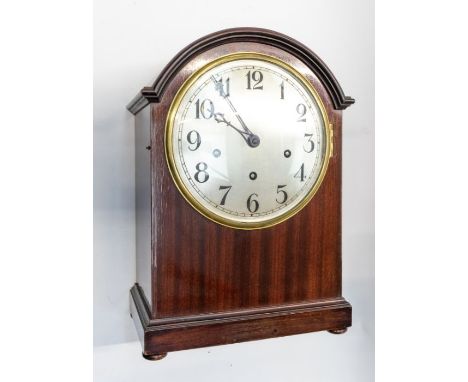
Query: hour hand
[251, 139]
[220, 118]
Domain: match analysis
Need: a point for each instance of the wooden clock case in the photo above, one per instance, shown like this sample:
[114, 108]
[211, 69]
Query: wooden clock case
[202, 284]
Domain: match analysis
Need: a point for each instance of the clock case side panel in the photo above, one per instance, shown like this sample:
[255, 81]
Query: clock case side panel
[143, 230]
[201, 268]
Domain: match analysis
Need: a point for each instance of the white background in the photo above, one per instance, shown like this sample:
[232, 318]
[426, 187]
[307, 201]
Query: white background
[133, 40]
[47, 209]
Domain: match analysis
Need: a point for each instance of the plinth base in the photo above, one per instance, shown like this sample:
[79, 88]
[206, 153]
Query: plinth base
[160, 336]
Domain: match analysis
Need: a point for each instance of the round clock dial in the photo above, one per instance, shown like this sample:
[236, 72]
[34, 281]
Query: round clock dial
[247, 140]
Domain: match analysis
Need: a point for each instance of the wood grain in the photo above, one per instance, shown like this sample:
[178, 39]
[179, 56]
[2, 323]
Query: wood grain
[202, 267]
[161, 336]
[155, 92]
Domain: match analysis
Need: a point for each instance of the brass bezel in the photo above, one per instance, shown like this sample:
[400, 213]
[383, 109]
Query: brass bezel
[170, 153]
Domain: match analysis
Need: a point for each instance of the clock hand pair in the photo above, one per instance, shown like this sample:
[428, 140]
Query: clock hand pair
[252, 139]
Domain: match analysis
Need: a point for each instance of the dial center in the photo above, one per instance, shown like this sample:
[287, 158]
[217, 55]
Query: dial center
[253, 140]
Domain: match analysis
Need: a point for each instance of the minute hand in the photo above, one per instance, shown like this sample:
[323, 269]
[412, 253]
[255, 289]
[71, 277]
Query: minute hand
[253, 140]
[244, 126]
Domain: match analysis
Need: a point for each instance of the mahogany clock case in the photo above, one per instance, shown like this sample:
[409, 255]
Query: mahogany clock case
[202, 284]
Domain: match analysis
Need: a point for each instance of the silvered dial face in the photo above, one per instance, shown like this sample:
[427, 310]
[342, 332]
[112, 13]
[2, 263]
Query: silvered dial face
[247, 142]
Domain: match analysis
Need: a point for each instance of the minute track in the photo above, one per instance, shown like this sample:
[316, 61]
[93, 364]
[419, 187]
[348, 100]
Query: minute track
[214, 138]
[221, 118]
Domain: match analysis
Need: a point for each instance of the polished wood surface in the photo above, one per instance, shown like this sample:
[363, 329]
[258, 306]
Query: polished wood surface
[220, 285]
[154, 93]
[203, 267]
[161, 336]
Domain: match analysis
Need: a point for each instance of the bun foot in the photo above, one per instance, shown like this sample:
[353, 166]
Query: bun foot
[154, 357]
[338, 331]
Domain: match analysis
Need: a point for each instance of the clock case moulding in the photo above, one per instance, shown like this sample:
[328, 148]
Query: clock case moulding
[201, 284]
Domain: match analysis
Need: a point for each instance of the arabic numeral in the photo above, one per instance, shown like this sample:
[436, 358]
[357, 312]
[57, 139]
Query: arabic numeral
[256, 76]
[201, 176]
[309, 145]
[223, 200]
[223, 87]
[282, 192]
[204, 108]
[300, 173]
[193, 138]
[301, 110]
[252, 204]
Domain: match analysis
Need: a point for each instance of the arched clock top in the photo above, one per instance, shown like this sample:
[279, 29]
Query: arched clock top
[154, 93]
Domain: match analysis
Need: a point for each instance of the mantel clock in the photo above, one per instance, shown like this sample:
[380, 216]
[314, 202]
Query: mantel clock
[238, 195]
